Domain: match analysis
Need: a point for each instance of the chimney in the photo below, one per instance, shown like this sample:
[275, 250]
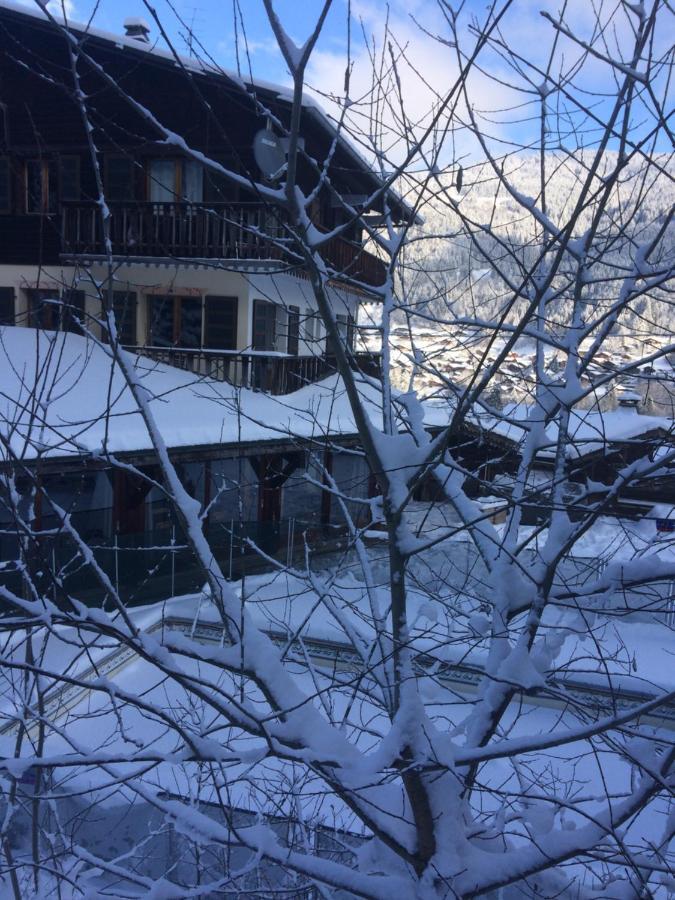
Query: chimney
[138, 29]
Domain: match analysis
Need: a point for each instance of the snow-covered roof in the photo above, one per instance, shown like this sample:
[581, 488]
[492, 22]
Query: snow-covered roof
[589, 429]
[62, 395]
[124, 41]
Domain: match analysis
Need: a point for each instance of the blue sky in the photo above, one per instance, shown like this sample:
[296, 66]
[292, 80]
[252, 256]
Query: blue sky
[213, 24]
[429, 66]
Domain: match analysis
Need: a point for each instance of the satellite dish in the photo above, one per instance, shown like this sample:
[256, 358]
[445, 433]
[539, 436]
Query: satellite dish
[268, 152]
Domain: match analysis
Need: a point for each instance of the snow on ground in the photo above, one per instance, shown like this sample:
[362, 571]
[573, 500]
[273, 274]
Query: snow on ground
[285, 603]
[260, 784]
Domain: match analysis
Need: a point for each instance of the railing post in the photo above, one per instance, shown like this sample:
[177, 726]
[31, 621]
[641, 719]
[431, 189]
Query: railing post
[117, 566]
[231, 547]
[173, 561]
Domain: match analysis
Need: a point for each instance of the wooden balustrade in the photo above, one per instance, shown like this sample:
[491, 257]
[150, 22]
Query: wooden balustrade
[271, 373]
[236, 231]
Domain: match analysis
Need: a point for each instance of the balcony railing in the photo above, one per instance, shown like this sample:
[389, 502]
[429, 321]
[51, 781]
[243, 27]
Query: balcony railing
[271, 373]
[236, 231]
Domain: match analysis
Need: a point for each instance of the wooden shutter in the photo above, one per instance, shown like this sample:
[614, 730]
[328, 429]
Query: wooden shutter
[293, 330]
[220, 325]
[119, 178]
[6, 306]
[5, 185]
[264, 325]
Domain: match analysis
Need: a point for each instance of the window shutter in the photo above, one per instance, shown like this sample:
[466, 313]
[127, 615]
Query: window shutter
[293, 342]
[69, 177]
[5, 191]
[220, 325]
[6, 306]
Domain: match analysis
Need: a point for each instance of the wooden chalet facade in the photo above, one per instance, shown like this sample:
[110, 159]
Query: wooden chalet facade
[264, 502]
[206, 275]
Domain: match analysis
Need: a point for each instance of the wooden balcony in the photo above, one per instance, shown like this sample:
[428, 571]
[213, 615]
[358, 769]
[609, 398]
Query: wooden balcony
[273, 373]
[238, 231]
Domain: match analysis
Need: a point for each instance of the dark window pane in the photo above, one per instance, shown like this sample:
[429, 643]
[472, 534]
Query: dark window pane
[6, 306]
[190, 322]
[161, 322]
[119, 178]
[34, 186]
[220, 326]
[40, 186]
[5, 194]
[69, 177]
[124, 306]
[44, 309]
[264, 325]
[73, 310]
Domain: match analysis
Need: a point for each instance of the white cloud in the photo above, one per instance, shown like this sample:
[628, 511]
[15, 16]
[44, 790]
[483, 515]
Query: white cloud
[58, 8]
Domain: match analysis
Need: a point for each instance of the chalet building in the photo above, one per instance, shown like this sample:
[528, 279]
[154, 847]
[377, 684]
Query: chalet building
[205, 281]
[205, 276]
[255, 463]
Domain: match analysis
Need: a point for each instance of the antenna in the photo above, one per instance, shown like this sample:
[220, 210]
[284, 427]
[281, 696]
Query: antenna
[268, 152]
[188, 34]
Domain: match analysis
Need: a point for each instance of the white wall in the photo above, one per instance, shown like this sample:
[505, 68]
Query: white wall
[283, 289]
[173, 279]
[21, 278]
[294, 290]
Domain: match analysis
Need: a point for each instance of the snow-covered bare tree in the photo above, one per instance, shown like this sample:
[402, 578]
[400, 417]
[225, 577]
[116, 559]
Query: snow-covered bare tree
[470, 698]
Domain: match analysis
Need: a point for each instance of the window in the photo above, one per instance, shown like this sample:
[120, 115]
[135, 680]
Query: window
[264, 325]
[40, 184]
[190, 322]
[292, 344]
[6, 306]
[308, 330]
[161, 322]
[345, 326]
[73, 310]
[220, 323]
[192, 188]
[119, 180]
[69, 177]
[44, 309]
[5, 181]
[175, 321]
[162, 175]
[124, 307]
[172, 180]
